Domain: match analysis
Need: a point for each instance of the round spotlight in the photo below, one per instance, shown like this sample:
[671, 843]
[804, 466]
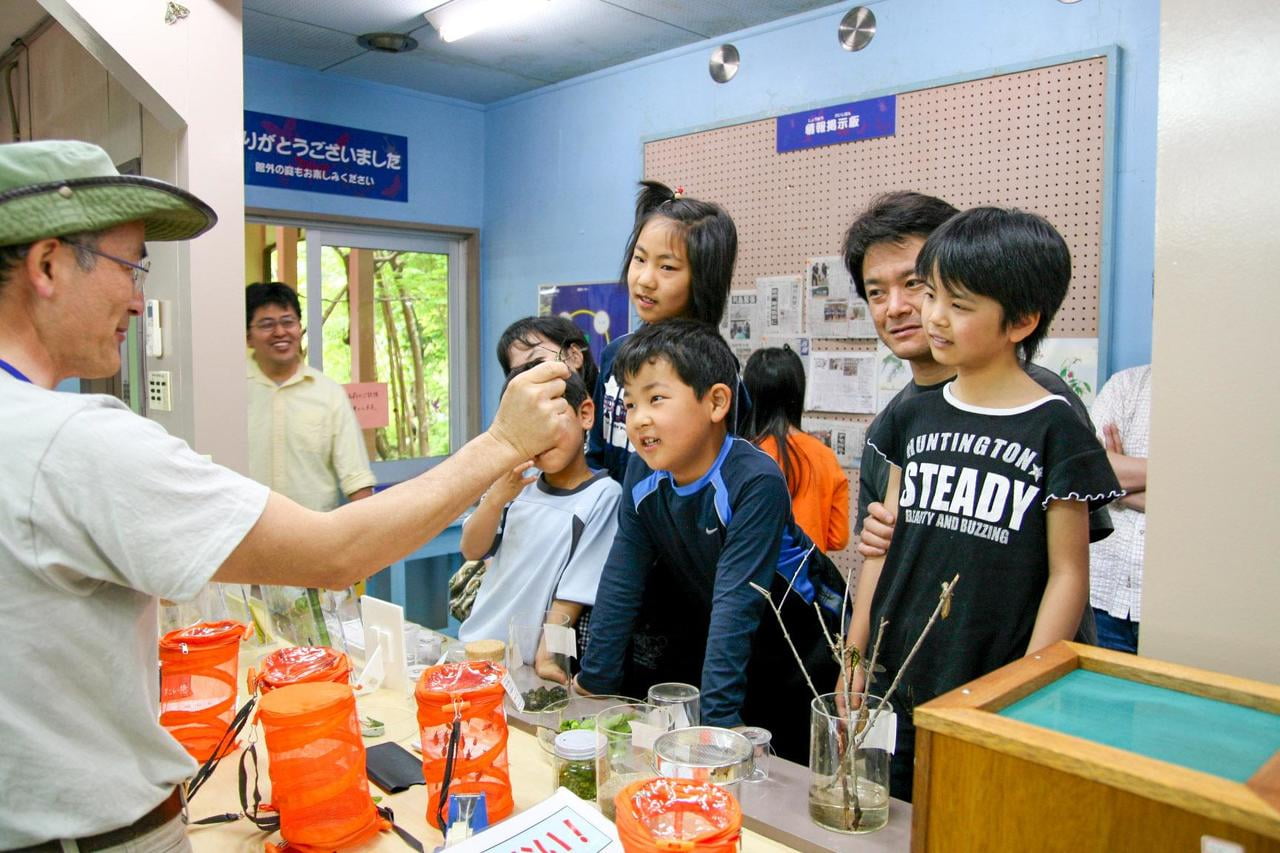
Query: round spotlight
[857, 28]
[724, 63]
[387, 42]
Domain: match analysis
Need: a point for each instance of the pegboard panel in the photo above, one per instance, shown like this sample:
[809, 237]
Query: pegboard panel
[849, 561]
[1031, 139]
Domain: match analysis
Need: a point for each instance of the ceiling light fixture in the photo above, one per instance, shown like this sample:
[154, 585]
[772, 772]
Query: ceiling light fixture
[387, 42]
[460, 18]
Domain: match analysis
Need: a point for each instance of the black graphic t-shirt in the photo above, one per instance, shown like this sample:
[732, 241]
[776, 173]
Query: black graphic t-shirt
[873, 475]
[976, 485]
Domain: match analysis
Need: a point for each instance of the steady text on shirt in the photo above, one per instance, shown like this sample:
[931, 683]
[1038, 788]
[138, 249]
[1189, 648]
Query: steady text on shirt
[969, 500]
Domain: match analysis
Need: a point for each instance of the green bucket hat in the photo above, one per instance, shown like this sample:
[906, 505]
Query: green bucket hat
[48, 189]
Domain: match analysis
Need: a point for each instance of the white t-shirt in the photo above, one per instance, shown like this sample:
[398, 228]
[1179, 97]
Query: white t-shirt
[101, 513]
[551, 543]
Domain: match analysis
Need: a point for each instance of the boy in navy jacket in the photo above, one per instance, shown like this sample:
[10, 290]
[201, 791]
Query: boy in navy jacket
[703, 516]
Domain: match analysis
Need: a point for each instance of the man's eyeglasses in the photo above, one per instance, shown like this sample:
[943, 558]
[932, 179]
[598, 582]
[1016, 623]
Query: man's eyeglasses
[138, 271]
[288, 323]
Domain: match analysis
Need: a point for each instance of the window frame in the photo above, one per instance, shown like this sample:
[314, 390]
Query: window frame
[462, 247]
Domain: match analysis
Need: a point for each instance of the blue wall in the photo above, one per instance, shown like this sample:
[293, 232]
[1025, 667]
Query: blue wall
[561, 163]
[549, 177]
[446, 143]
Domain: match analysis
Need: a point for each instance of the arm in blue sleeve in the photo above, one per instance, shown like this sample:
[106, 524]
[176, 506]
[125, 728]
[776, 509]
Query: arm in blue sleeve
[595, 436]
[752, 543]
[618, 598]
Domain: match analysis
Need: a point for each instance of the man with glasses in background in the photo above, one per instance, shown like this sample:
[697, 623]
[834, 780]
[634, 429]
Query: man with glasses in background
[304, 441]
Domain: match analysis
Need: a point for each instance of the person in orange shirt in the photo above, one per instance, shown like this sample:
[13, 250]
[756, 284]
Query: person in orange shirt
[819, 488]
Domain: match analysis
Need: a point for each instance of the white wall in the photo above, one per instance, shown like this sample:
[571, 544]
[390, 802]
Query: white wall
[1212, 574]
[188, 77]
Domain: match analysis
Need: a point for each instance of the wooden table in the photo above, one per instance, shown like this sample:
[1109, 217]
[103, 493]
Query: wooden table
[775, 810]
[530, 773]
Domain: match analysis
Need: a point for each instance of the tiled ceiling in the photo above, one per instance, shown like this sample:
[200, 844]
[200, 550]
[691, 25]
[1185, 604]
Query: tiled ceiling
[567, 39]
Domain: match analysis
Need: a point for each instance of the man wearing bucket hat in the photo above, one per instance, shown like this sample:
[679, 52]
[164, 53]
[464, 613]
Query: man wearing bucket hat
[102, 513]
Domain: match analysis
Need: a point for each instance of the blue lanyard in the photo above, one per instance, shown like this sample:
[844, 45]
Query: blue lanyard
[13, 371]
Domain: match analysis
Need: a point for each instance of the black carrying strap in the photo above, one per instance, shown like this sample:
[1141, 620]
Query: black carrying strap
[226, 817]
[269, 822]
[224, 743]
[405, 835]
[455, 734]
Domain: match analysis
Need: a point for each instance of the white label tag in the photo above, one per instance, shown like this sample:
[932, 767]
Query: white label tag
[883, 734]
[513, 692]
[561, 640]
[643, 735]
[1211, 844]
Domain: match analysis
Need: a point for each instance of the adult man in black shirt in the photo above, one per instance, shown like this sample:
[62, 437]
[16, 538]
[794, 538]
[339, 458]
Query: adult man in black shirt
[880, 251]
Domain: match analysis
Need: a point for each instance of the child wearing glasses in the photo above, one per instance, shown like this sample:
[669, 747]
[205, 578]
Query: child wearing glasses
[546, 536]
[547, 339]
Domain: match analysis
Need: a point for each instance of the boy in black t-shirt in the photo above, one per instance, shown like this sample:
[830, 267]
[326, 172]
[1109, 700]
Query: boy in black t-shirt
[992, 478]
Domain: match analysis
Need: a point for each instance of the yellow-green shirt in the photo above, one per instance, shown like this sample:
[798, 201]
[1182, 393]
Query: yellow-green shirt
[304, 441]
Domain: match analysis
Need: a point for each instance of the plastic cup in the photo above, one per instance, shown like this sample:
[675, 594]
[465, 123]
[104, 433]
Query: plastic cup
[630, 731]
[682, 699]
[539, 664]
[762, 749]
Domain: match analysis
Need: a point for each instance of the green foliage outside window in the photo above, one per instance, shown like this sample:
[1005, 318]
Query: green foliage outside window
[411, 343]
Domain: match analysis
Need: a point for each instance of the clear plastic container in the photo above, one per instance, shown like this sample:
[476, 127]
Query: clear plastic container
[537, 659]
[705, 754]
[572, 712]
[761, 740]
[848, 768]
[629, 733]
[574, 761]
[682, 699]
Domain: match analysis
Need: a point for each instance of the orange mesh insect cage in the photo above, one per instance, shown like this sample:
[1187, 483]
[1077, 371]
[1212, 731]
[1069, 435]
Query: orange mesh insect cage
[298, 665]
[464, 737]
[316, 762]
[198, 667]
[677, 814]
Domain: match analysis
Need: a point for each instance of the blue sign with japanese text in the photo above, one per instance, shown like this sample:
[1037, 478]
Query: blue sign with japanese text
[295, 154]
[840, 123]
